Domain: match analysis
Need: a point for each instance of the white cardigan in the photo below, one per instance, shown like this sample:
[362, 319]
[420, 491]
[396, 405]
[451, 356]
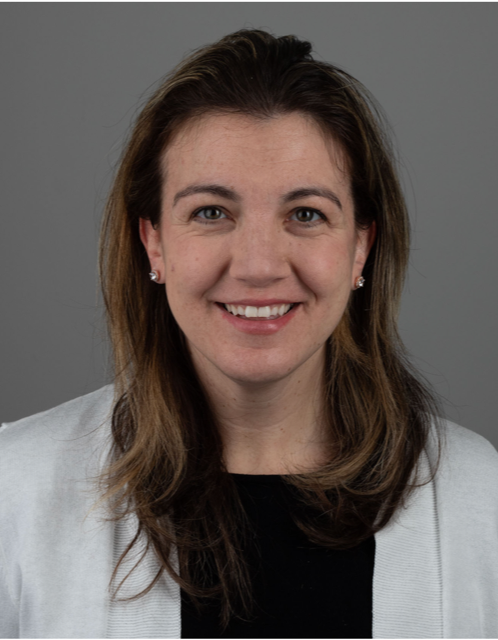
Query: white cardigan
[436, 564]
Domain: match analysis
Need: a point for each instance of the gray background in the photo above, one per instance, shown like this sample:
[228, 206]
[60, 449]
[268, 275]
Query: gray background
[72, 77]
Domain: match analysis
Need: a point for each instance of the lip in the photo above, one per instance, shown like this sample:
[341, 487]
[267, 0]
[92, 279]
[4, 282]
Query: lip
[260, 326]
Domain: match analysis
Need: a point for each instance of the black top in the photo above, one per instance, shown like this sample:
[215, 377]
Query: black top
[301, 590]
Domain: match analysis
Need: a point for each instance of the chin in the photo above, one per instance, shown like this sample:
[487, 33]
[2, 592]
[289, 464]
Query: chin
[253, 366]
[257, 367]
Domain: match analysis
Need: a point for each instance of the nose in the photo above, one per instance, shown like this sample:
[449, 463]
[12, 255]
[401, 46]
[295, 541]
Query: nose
[259, 254]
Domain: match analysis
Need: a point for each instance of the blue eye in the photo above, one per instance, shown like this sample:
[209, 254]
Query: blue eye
[209, 213]
[307, 215]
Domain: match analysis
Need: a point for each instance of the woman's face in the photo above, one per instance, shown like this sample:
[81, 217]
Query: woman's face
[257, 220]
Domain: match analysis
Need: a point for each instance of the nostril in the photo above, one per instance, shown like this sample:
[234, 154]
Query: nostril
[259, 271]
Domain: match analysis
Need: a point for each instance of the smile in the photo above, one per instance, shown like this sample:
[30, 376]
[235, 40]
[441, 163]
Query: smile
[266, 313]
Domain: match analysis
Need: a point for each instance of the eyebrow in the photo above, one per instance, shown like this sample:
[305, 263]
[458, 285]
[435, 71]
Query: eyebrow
[321, 192]
[229, 194]
[213, 189]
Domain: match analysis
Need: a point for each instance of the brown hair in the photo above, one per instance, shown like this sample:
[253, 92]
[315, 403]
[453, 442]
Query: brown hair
[167, 464]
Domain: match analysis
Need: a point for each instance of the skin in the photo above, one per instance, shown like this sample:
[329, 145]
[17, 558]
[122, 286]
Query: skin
[264, 383]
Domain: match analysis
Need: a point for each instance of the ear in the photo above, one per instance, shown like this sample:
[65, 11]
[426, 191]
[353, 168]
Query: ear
[364, 241]
[151, 239]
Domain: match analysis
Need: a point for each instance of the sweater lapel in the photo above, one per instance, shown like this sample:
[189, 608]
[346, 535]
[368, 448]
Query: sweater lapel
[407, 585]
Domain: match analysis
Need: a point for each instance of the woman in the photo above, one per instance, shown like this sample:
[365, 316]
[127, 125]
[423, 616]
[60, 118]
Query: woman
[266, 464]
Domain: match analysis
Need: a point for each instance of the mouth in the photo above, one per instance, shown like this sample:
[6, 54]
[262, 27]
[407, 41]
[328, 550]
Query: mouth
[249, 312]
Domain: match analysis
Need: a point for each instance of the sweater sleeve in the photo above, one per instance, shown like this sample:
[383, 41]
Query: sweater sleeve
[467, 504]
[55, 543]
[9, 618]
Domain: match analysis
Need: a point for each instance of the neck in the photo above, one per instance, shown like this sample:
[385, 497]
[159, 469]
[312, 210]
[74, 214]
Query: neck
[271, 427]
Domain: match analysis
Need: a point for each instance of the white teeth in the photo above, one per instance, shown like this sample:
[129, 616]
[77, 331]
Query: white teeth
[258, 312]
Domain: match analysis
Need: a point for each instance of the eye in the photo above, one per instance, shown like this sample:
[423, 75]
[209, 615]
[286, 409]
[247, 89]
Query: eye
[209, 213]
[307, 216]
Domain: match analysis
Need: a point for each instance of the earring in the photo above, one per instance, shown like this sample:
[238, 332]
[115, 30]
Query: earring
[359, 282]
[154, 276]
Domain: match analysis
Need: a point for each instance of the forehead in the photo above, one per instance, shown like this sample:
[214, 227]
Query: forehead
[267, 150]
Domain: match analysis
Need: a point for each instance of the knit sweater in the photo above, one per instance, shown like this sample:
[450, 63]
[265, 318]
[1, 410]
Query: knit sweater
[436, 562]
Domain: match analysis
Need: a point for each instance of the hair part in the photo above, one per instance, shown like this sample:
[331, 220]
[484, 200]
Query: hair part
[167, 464]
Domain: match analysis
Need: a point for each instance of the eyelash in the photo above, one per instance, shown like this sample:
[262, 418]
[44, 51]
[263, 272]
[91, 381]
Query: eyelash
[304, 224]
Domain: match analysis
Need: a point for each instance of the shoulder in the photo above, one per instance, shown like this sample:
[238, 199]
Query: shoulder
[55, 444]
[69, 419]
[63, 419]
[466, 481]
[466, 454]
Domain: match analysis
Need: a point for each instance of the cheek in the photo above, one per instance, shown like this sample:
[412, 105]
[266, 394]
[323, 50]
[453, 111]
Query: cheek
[192, 268]
[327, 272]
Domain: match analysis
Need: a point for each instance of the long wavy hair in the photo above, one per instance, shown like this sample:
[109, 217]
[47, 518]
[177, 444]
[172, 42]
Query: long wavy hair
[166, 463]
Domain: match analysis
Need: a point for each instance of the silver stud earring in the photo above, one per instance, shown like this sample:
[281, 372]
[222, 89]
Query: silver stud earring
[154, 276]
[359, 282]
